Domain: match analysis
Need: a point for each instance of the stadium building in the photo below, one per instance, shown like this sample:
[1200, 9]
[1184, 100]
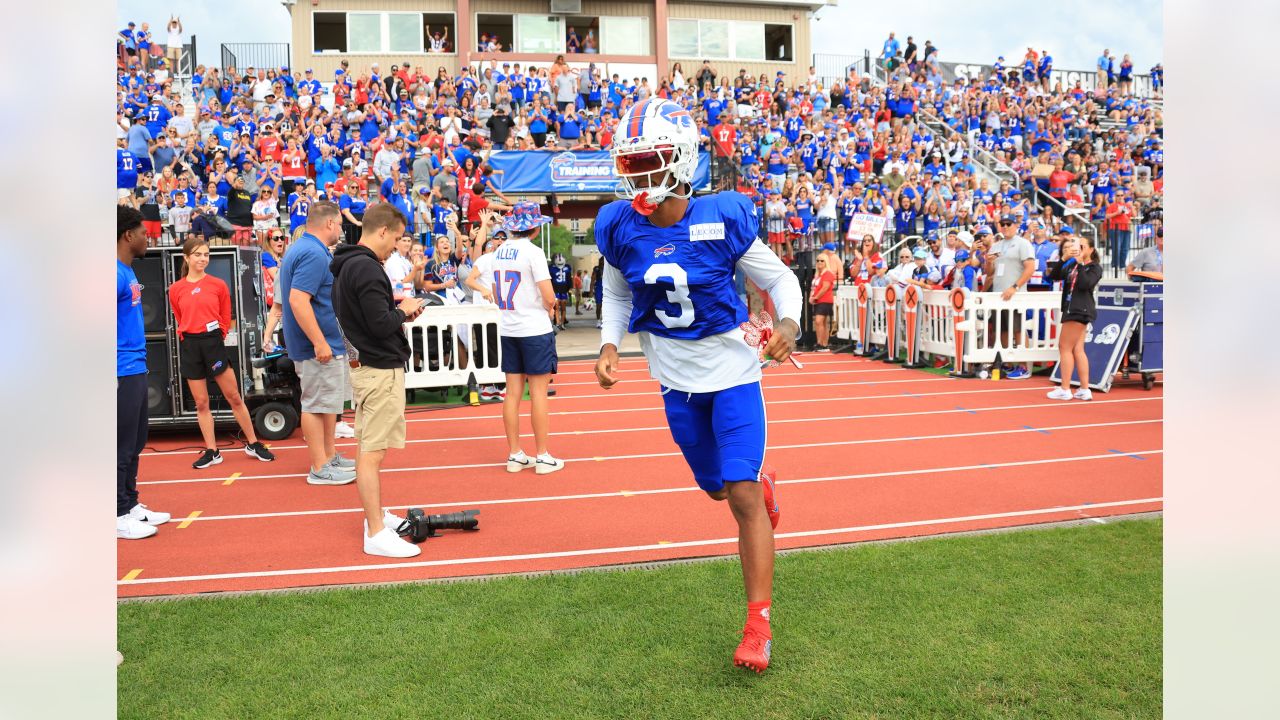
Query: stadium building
[631, 38]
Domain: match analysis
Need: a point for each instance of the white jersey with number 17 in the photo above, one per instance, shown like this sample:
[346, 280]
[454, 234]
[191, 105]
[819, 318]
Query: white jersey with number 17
[515, 271]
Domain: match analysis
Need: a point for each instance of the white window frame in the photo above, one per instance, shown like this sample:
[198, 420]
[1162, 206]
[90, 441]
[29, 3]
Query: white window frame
[515, 34]
[384, 28]
[648, 36]
[731, 41]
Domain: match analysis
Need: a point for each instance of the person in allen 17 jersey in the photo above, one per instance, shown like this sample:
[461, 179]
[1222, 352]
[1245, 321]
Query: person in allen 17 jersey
[668, 275]
[561, 283]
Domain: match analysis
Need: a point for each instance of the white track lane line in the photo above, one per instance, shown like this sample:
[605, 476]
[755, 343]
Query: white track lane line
[806, 373]
[768, 388]
[832, 399]
[635, 548]
[682, 488]
[951, 411]
[828, 443]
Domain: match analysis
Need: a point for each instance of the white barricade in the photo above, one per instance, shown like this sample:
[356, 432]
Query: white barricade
[846, 310]
[937, 323]
[434, 345]
[876, 318]
[1030, 318]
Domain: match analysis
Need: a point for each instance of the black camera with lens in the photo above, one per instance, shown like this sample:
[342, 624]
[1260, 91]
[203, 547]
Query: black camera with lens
[418, 526]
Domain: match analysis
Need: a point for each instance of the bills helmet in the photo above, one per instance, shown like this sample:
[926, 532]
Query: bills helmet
[655, 152]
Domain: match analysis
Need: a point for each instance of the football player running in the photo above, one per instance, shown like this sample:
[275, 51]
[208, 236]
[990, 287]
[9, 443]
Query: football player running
[668, 276]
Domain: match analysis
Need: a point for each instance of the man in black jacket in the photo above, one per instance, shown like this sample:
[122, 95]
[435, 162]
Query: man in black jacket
[372, 322]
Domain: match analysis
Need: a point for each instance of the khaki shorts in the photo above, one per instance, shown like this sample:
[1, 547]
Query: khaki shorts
[379, 400]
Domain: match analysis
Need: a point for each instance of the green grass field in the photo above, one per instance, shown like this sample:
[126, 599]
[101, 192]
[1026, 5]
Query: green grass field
[1056, 623]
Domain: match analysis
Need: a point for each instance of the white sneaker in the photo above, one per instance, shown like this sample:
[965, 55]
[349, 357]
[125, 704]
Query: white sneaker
[516, 463]
[343, 430]
[545, 464]
[1059, 394]
[388, 544]
[1084, 394]
[388, 520]
[130, 528]
[147, 515]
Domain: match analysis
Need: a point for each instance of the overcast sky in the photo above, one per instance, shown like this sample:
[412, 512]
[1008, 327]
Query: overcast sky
[975, 31]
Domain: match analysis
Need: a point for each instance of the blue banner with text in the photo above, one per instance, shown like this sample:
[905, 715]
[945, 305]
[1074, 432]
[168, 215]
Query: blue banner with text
[549, 171]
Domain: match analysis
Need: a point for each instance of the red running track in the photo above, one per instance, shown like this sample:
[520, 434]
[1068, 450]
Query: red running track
[864, 451]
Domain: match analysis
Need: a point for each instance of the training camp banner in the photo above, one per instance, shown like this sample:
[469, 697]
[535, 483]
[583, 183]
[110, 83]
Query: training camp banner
[1088, 79]
[548, 171]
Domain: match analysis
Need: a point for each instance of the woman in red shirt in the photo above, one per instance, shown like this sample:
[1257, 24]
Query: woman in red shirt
[293, 167]
[202, 314]
[823, 300]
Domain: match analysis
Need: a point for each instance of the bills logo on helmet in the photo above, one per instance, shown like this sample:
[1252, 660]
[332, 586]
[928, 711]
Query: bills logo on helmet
[664, 250]
[676, 115]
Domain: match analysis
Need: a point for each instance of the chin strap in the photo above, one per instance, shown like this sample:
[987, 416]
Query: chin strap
[640, 203]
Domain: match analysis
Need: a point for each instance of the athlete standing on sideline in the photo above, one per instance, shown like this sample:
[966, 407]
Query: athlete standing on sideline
[669, 267]
[134, 520]
[522, 291]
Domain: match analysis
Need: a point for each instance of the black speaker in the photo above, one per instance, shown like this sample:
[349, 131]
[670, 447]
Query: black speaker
[808, 337]
[155, 292]
[159, 379]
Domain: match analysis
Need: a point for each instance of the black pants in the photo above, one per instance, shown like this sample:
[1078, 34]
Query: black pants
[131, 437]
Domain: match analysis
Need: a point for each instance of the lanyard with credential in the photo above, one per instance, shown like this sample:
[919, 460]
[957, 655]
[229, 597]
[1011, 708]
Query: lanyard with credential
[1073, 273]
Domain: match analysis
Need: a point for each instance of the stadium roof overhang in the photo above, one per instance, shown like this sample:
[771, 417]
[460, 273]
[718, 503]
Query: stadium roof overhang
[811, 6]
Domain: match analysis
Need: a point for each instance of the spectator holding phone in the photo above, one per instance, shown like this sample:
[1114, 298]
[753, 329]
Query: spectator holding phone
[822, 301]
[1079, 272]
[373, 324]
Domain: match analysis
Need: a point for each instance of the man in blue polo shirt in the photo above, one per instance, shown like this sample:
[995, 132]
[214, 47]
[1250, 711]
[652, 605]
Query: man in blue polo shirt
[134, 520]
[315, 343]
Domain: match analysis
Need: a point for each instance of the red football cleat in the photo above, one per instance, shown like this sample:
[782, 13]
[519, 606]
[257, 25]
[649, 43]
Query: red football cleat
[767, 478]
[753, 653]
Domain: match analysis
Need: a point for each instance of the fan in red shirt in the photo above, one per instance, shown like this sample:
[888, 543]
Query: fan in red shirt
[269, 144]
[202, 313]
[724, 136]
[822, 297]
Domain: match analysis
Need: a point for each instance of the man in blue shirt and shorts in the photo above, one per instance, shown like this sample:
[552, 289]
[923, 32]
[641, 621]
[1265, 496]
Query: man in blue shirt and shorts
[314, 341]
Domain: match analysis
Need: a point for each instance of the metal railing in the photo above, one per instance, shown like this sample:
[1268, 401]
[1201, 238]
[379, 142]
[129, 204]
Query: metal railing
[255, 55]
[831, 68]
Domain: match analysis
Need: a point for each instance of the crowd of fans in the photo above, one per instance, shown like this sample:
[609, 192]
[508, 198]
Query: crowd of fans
[260, 145]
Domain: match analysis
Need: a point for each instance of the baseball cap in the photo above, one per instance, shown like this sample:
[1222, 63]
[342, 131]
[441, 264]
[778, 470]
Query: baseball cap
[423, 190]
[346, 162]
[982, 230]
[1008, 219]
[962, 255]
[920, 254]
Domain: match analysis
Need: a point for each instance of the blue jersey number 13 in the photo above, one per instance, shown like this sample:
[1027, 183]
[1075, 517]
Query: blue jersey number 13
[673, 274]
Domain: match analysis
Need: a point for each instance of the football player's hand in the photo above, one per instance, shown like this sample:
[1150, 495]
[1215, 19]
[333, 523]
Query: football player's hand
[607, 367]
[783, 341]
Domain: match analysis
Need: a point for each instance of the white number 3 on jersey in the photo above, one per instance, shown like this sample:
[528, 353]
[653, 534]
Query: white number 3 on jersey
[676, 275]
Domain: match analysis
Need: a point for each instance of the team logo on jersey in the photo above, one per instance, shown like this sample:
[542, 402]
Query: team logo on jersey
[667, 249]
[706, 231]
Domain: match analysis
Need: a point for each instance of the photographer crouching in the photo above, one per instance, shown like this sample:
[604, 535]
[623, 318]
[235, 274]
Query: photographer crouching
[371, 321]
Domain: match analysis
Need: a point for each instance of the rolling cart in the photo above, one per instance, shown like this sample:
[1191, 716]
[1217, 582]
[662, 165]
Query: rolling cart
[1145, 354]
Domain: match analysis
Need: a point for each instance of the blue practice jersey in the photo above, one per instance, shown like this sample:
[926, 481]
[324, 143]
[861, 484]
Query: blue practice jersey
[681, 277]
[560, 277]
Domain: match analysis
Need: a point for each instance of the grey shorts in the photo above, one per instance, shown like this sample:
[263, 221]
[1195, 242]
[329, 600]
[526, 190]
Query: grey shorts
[325, 386]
